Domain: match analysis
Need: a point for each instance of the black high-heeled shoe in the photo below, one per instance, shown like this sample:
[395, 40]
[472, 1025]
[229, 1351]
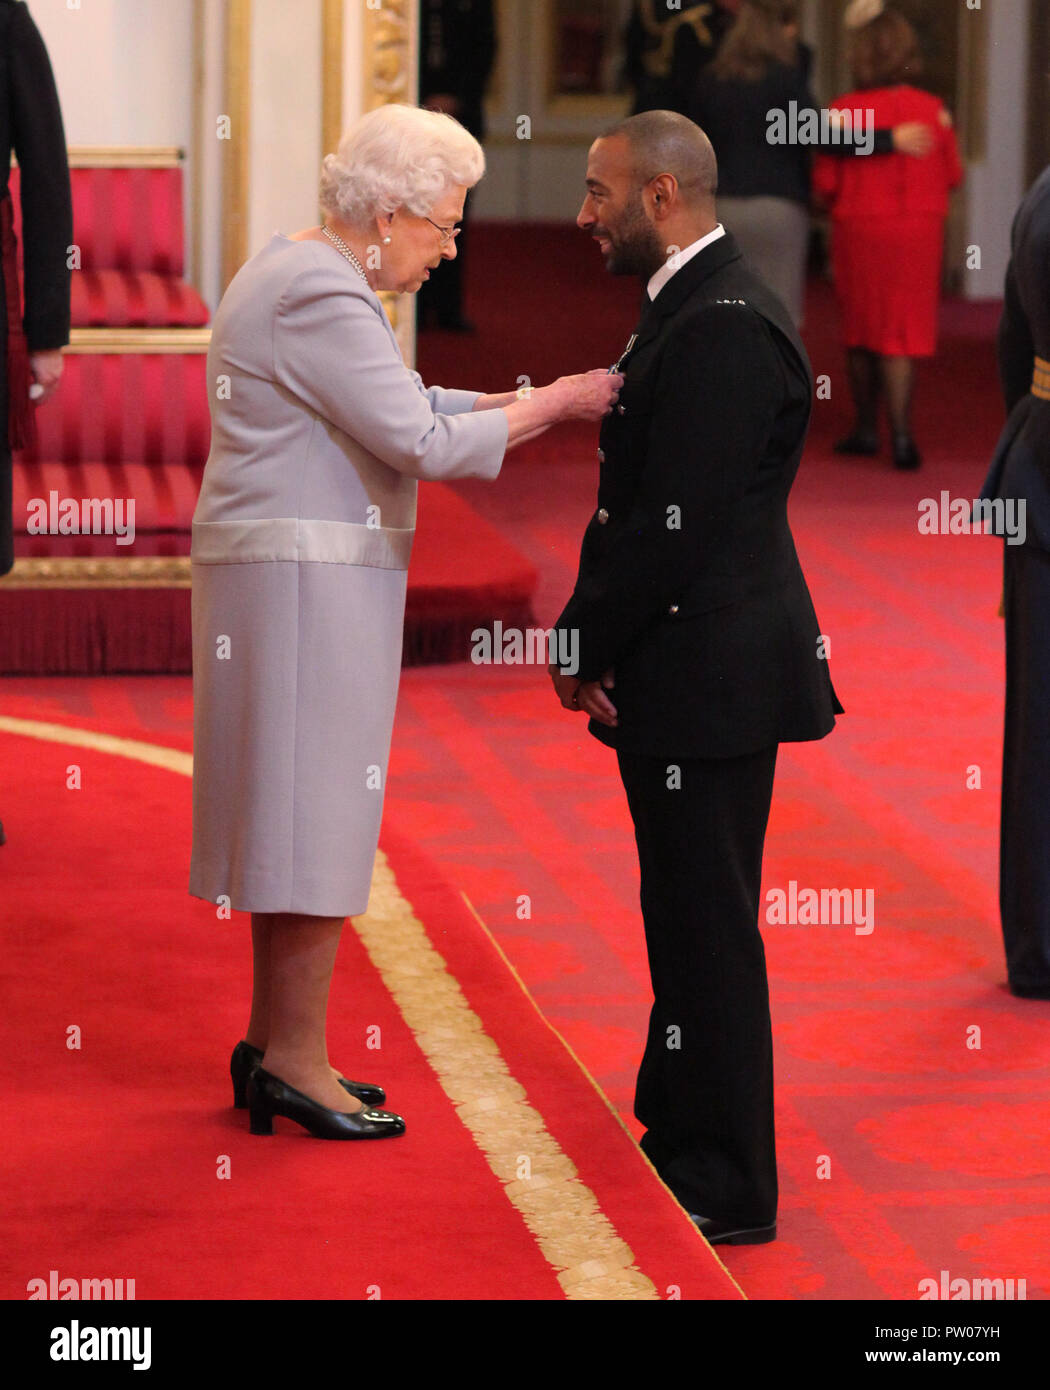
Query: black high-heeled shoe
[857, 442]
[905, 455]
[268, 1096]
[246, 1058]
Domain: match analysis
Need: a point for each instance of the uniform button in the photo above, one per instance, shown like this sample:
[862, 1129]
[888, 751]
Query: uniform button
[603, 516]
[601, 455]
[673, 608]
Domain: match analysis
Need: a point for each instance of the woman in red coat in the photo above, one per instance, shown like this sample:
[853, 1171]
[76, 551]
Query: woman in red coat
[888, 220]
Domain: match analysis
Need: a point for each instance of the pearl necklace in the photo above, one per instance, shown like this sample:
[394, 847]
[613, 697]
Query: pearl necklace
[344, 250]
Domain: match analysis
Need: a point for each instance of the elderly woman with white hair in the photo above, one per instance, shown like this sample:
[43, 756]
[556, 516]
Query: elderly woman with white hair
[301, 542]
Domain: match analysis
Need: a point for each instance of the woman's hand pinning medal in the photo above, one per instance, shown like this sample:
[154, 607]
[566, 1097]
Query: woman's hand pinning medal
[589, 395]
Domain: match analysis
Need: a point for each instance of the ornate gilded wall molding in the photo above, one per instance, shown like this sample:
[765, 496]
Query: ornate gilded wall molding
[331, 74]
[138, 340]
[391, 31]
[100, 572]
[125, 156]
[195, 191]
[237, 149]
[390, 51]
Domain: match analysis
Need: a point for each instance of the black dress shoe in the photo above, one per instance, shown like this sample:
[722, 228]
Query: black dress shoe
[905, 454]
[1030, 991]
[246, 1058]
[268, 1096]
[858, 443]
[732, 1233]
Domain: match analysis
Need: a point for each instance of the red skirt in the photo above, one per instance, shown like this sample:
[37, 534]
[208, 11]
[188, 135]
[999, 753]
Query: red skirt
[888, 282]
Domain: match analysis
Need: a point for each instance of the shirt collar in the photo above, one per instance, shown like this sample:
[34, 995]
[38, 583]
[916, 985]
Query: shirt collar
[674, 263]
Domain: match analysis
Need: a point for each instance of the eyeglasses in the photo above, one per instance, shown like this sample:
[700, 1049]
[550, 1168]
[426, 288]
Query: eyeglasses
[447, 233]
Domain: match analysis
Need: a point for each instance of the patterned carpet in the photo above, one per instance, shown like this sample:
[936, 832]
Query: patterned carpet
[514, 1179]
[913, 1092]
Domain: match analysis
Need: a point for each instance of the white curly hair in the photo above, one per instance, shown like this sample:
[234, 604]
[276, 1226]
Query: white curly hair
[398, 156]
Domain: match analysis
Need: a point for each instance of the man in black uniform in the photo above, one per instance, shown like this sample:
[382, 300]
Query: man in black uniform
[1020, 473]
[31, 126]
[667, 44]
[30, 343]
[699, 650]
[457, 47]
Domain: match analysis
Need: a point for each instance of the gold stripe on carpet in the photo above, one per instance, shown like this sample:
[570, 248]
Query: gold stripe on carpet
[156, 754]
[583, 1070]
[576, 1238]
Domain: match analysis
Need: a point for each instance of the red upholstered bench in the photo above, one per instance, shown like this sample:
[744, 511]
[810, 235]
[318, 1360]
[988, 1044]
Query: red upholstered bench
[124, 425]
[127, 234]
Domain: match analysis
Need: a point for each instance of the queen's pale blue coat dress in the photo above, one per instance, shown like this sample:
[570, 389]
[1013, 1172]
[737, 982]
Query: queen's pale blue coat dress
[301, 543]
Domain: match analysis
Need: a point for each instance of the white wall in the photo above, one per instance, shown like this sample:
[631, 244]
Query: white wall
[542, 178]
[353, 63]
[996, 185]
[127, 74]
[286, 118]
[124, 69]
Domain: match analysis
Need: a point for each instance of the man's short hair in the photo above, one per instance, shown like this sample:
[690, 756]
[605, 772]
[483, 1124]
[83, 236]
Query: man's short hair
[664, 142]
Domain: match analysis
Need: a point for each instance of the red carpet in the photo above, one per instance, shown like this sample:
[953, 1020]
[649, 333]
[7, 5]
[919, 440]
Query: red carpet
[904, 1148]
[936, 1148]
[464, 575]
[126, 1156]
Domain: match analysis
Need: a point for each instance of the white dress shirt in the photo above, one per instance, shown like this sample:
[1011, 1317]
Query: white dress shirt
[674, 263]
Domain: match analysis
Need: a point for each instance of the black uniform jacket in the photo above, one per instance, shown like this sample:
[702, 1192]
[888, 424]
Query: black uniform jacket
[689, 585]
[31, 126]
[1020, 468]
[457, 47]
[666, 46]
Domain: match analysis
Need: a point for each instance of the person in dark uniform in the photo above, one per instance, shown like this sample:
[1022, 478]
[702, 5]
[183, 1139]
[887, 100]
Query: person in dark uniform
[457, 47]
[667, 46]
[30, 342]
[1020, 473]
[698, 648]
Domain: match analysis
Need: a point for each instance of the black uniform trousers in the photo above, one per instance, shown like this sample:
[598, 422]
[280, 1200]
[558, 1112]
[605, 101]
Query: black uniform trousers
[705, 1087]
[1024, 876]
